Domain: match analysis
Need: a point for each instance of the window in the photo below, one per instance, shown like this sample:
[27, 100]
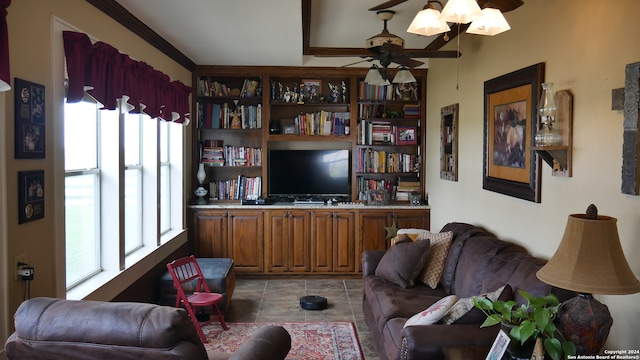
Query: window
[118, 168]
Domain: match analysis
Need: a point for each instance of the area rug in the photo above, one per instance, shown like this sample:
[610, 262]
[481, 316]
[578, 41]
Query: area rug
[309, 340]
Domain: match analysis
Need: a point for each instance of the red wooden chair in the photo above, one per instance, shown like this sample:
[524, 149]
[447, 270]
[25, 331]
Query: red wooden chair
[185, 270]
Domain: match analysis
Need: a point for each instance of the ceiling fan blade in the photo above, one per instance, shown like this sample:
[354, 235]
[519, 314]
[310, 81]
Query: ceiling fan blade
[433, 54]
[405, 61]
[387, 4]
[358, 62]
[502, 5]
[391, 49]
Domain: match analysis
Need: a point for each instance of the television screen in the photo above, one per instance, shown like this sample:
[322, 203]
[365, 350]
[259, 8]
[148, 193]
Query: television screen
[309, 173]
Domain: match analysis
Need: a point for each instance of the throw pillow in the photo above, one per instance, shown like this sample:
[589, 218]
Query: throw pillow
[403, 261]
[433, 313]
[401, 236]
[440, 244]
[463, 312]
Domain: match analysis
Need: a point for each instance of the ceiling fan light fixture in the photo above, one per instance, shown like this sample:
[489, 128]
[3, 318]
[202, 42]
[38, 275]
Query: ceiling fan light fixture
[491, 23]
[428, 22]
[461, 11]
[403, 76]
[373, 77]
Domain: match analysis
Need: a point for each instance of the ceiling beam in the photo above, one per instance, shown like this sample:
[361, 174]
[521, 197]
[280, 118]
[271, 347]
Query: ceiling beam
[124, 17]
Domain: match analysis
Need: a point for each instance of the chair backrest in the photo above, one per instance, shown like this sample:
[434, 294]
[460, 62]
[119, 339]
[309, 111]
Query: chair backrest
[185, 270]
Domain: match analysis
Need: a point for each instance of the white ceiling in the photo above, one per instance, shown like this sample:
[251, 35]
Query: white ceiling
[269, 32]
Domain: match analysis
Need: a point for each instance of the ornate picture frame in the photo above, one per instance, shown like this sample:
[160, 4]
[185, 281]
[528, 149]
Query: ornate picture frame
[449, 142]
[510, 124]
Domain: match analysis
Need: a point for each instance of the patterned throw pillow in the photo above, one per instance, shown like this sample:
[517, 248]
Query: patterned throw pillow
[440, 244]
[433, 313]
[463, 306]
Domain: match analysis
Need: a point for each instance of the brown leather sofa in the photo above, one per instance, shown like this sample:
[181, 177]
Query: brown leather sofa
[477, 263]
[56, 329]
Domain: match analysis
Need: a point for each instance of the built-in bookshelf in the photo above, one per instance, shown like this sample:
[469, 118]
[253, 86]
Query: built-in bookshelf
[389, 139]
[242, 112]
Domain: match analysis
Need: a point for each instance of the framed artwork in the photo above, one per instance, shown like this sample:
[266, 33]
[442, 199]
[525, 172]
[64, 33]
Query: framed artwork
[499, 346]
[406, 135]
[449, 142]
[311, 88]
[29, 120]
[30, 195]
[510, 123]
[377, 197]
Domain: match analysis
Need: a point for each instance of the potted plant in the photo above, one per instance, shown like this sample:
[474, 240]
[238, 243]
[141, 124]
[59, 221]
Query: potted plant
[528, 321]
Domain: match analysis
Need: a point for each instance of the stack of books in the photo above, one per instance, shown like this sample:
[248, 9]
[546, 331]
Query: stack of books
[411, 111]
[213, 153]
[406, 187]
[236, 189]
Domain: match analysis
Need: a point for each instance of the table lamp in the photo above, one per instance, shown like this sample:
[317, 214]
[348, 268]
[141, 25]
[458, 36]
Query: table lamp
[589, 260]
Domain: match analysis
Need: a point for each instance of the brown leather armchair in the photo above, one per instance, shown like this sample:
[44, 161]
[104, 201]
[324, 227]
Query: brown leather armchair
[56, 329]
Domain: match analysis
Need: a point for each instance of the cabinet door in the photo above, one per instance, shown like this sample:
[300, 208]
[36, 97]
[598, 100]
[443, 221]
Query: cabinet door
[210, 233]
[412, 219]
[344, 242]
[322, 241]
[299, 240]
[372, 229]
[277, 241]
[246, 240]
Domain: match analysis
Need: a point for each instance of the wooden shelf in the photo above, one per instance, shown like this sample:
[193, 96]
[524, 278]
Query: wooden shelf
[559, 157]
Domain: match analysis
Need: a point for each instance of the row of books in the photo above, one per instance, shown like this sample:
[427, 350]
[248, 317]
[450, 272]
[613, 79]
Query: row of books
[209, 87]
[399, 192]
[382, 132]
[229, 155]
[379, 161]
[376, 110]
[236, 189]
[323, 123]
[411, 111]
[383, 92]
[221, 116]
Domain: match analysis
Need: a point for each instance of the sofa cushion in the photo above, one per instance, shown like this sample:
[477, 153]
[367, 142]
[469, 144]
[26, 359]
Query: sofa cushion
[403, 261]
[464, 312]
[433, 313]
[432, 271]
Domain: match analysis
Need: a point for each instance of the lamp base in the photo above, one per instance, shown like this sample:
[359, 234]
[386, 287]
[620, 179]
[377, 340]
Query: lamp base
[586, 322]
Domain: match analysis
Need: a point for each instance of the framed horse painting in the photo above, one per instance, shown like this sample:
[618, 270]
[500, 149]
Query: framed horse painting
[510, 125]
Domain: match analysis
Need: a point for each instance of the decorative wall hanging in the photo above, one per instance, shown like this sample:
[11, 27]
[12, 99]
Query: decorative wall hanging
[510, 107]
[30, 195]
[449, 142]
[29, 109]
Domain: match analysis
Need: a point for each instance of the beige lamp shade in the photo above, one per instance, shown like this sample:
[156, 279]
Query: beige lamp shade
[461, 11]
[491, 23]
[590, 259]
[427, 23]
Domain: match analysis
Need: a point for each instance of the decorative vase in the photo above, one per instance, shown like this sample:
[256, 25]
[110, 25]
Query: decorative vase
[517, 351]
[201, 175]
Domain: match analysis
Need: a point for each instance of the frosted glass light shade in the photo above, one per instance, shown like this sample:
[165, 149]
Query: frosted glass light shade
[491, 23]
[461, 11]
[373, 77]
[428, 22]
[404, 76]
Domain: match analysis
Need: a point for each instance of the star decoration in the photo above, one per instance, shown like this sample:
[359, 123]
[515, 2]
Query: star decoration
[392, 230]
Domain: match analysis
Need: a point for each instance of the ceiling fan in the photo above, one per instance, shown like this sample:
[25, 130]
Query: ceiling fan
[502, 5]
[388, 48]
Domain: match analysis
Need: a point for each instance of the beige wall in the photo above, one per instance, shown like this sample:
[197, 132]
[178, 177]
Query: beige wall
[31, 47]
[585, 45]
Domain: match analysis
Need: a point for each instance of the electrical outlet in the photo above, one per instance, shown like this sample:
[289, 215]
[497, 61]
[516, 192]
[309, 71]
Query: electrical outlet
[22, 258]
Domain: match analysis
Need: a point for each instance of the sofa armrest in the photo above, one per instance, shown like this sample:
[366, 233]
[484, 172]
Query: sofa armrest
[370, 260]
[426, 341]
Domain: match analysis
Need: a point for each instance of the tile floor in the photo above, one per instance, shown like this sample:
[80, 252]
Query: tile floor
[279, 301]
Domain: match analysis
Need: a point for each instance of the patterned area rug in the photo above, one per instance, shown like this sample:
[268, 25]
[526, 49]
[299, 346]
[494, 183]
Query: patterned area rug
[309, 340]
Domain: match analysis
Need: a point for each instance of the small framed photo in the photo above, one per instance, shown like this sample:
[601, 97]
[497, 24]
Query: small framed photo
[499, 346]
[378, 197]
[289, 129]
[311, 88]
[406, 135]
[30, 195]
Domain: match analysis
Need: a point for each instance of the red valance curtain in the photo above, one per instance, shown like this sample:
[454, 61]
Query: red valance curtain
[5, 75]
[107, 75]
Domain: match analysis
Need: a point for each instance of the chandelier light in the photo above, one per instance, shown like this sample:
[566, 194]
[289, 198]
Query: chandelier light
[491, 23]
[403, 76]
[428, 21]
[461, 11]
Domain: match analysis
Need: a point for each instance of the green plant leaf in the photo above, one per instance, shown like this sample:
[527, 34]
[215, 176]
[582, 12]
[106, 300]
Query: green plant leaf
[525, 331]
[553, 348]
[542, 317]
[491, 320]
[482, 303]
[552, 300]
[569, 348]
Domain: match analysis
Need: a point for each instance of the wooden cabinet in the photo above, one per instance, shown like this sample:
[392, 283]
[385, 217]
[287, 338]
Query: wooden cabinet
[320, 240]
[287, 240]
[333, 245]
[236, 234]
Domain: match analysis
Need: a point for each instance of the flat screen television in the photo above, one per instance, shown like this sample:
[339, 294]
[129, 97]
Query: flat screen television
[308, 174]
